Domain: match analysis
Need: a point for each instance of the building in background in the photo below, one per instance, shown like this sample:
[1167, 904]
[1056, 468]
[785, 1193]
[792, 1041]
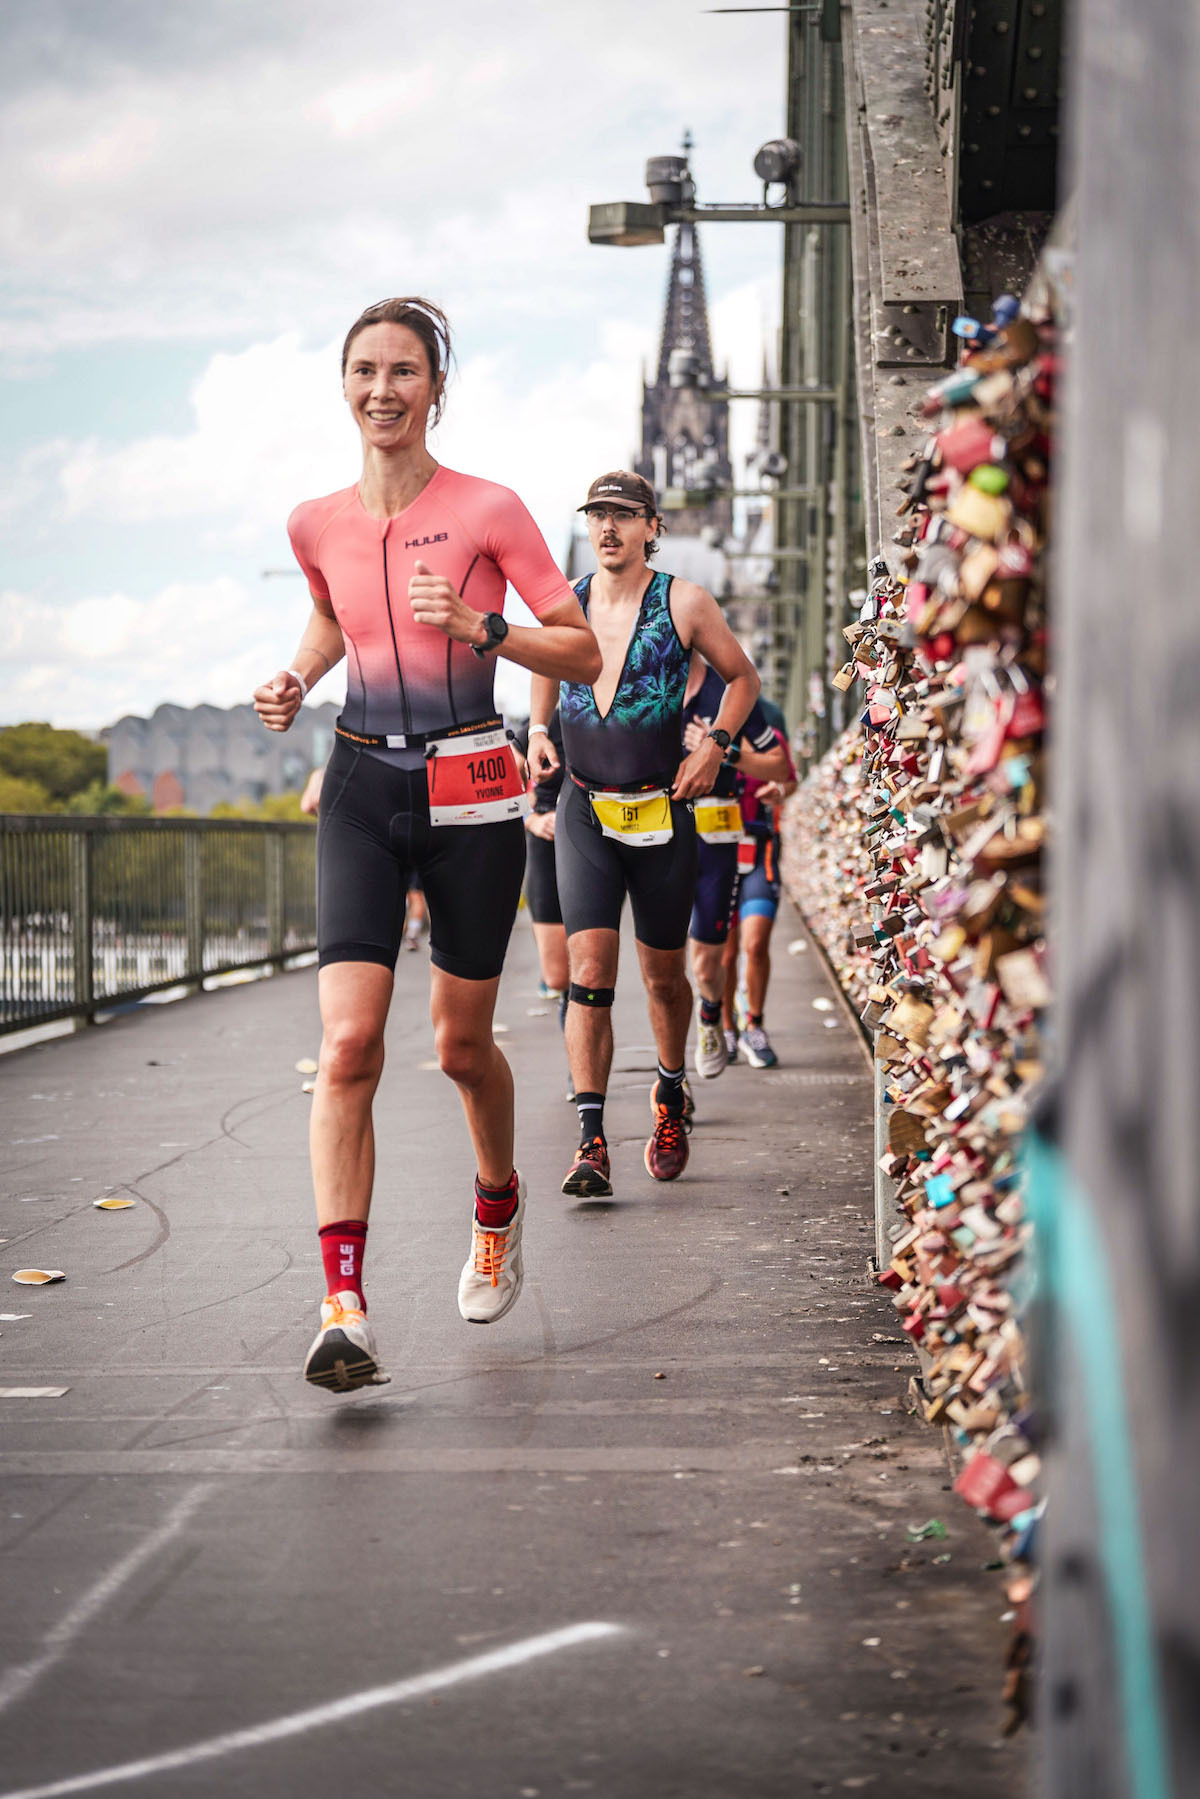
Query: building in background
[685, 455]
[198, 756]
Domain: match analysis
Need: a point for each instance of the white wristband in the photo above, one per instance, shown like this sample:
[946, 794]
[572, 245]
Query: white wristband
[544, 729]
[300, 678]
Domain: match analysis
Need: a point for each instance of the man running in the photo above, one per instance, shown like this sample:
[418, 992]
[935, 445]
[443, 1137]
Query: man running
[755, 751]
[625, 824]
[407, 572]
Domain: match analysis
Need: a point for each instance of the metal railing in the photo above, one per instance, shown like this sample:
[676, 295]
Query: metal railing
[97, 912]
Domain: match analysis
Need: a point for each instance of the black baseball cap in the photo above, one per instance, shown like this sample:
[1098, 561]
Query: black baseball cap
[622, 484]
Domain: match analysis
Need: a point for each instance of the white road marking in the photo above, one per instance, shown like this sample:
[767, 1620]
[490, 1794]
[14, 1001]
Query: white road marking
[16, 1682]
[494, 1661]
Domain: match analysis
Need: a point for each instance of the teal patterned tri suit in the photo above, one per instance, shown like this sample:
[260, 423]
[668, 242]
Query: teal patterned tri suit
[637, 742]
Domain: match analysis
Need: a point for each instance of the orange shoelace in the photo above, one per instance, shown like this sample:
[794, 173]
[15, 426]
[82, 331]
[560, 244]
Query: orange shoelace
[491, 1249]
[340, 1314]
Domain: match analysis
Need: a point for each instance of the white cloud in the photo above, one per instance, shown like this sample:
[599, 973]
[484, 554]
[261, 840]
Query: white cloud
[88, 663]
[244, 171]
[271, 428]
[244, 179]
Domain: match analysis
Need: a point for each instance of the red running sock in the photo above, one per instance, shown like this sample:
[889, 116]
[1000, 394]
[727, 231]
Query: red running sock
[343, 1249]
[496, 1206]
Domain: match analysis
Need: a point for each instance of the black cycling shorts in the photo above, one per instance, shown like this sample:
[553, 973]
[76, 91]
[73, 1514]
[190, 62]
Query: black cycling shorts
[716, 890]
[373, 834]
[595, 873]
[541, 880]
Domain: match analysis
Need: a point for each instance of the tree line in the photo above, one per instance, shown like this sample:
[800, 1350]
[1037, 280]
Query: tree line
[44, 769]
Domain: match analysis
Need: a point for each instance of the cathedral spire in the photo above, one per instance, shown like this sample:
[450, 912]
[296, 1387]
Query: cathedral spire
[685, 319]
[685, 427]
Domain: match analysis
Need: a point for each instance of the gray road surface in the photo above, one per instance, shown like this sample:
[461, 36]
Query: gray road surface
[527, 1567]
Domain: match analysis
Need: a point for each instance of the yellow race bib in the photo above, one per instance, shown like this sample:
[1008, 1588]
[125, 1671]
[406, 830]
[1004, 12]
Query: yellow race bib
[637, 819]
[718, 820]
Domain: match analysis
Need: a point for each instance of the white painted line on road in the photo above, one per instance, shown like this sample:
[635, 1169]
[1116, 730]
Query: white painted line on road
[16, 1682]
[494, 1661]
[33, 1392]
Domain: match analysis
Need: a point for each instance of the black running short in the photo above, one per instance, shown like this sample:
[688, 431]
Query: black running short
[373, 833]
[541, 880]
[595, 873]
[716, 890]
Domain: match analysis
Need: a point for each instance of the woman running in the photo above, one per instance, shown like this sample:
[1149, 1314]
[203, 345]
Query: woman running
[407, 572]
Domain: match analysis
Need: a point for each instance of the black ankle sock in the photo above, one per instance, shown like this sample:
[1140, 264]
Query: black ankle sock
[669, 1092]
[754, 1018]
[710, 1010]
[563, 1003]
[590, 1107]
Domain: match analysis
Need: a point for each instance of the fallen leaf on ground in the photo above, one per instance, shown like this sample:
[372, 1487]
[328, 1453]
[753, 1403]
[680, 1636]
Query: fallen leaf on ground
[308, 1087]
[113, 1205]
[38, 1277]
[822, 1005]
[920, 1533]
[797, 946]
[306, 1065]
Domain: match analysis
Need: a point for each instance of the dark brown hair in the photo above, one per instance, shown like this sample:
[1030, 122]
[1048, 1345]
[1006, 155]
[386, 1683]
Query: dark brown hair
[429, 323]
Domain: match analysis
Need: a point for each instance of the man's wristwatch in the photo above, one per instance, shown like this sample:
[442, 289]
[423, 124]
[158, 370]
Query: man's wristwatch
[721, 738]
[497, 631]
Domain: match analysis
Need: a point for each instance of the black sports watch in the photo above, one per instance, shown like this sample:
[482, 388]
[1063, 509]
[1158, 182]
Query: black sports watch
[721, 738]
[497, 631]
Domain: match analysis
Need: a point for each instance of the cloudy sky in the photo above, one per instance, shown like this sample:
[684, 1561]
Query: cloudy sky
[198, 199]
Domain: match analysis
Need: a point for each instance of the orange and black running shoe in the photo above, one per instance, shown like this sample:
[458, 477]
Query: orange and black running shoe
[588, 1175]
[667, 1151]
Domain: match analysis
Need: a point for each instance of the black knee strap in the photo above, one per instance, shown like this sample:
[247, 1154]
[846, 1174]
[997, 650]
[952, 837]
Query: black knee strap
[590, 996]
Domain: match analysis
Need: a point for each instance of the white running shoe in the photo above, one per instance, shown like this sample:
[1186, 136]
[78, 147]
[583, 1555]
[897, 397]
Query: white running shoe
[711, 1051]
[756, 1047]
[492, 1274]
[343, 1354]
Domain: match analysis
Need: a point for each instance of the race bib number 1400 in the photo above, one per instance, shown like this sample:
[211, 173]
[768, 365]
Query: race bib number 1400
[475, 780]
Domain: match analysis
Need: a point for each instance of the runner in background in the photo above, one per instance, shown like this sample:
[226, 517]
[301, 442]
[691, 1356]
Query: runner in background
[407, 572]
[757, 906]
[624, 822]
[755, 751]
[541, 879]
[416, 913]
